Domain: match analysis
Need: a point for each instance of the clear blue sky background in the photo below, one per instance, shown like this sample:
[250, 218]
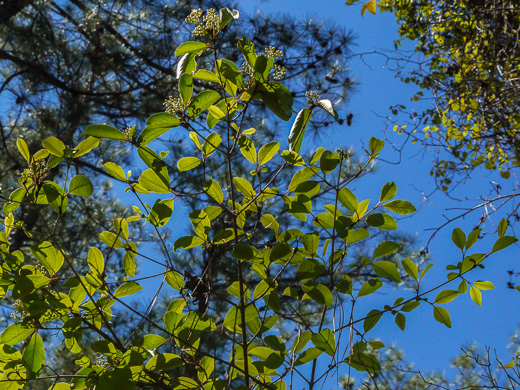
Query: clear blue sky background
[427, 343]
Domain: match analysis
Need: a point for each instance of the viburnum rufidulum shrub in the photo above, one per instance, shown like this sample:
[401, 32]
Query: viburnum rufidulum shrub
[291, 272]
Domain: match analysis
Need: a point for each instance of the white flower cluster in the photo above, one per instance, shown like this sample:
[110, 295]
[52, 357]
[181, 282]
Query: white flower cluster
[173, 105]
[279, 72]
[312, 96]
[19, 312]
[273, 52]
[209, 25]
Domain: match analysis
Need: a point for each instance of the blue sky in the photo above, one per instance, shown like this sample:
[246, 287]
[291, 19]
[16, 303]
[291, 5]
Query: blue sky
[427, 343]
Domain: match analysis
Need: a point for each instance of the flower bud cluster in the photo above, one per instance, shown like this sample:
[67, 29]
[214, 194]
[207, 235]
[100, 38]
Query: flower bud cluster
[173, 105]
[209, 25]
[273, 52]
[19, 310]
[313, 96]
[279, 72]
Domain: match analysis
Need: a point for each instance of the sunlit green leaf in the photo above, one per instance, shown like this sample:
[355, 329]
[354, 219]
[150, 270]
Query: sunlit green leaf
[127, 288]
[104, 131]
[190, 47]
[442, 315]
[81, 186]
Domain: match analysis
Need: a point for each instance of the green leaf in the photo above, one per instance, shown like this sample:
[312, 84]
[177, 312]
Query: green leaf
[400, 321]
[244, 187]
[325, 341]
[15, 200]
[459, 238]
[446, 296]
[319, 293]
[188, 163]
[211, 143]
[382, 221]
[307, 356]
[442, 315]
[410, 306]
[115, 171]
[152, 182]
[55, 146]
[156, 125]
[262, 68]
[50, 193]
[293, 158]
[214, 191]
[356, 236]
[476, 295]
[247, 48]
[310, 269]
[187, 64]
[298, 129]
[23, 149]
[233, 317]
[277, 98]
[164, 361]
[472, 238]
[186, 87]
[426, 269]
[327, 106]
[246, 252]
[502, 227]
[375, 145]
[410, 268]
[206, 75]
[344, 285]
[187, 242]
[503, 242]
[364, 362]
[348, 199]
[384, 249]
[300, 341]
[15, 334]
[301, 176]
[34, 354]
[247, 148]
[201, 102]
[329, 161]
[161, 212]
[81, 186]
[129, 265]
[150, 342]
[316, 155]
[127, 288]
[484, 285]
[175, 280]
[85, 146]
[463, 287]
[96, 260]
[369, 287]
[190, 47]
[231, 75]
[376, 344]
[104, 131]
[267, 152]
[372, 319]
[48, 256]
[401, 207]
[387, 269]
[388, 191]
[60, 386]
